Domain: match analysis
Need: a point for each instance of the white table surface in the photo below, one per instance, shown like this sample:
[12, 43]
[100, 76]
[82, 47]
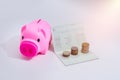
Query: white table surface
[101, 20]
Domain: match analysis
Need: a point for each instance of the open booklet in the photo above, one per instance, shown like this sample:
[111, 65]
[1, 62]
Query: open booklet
[66, 36]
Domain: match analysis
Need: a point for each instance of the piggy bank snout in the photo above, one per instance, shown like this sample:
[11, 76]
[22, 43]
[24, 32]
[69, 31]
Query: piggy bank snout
[28, 49]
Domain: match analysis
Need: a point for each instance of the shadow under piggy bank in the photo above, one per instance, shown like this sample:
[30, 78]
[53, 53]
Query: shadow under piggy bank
[11, 47]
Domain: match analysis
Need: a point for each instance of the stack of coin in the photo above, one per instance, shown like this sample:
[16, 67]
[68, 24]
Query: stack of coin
[66, 53]
[85, 47]
[74, 50]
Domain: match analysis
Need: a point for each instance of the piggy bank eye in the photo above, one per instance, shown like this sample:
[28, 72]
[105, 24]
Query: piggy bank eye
[22, 37]
[38, 40]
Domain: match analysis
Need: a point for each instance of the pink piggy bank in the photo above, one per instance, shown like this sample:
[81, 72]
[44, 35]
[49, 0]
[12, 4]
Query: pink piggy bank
[35, 38]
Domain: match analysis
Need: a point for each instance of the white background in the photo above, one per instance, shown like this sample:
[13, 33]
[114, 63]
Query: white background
[101, 19]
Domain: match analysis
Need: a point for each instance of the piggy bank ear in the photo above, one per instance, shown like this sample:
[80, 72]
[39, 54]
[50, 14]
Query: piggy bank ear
[23, 28]
[42, 31]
